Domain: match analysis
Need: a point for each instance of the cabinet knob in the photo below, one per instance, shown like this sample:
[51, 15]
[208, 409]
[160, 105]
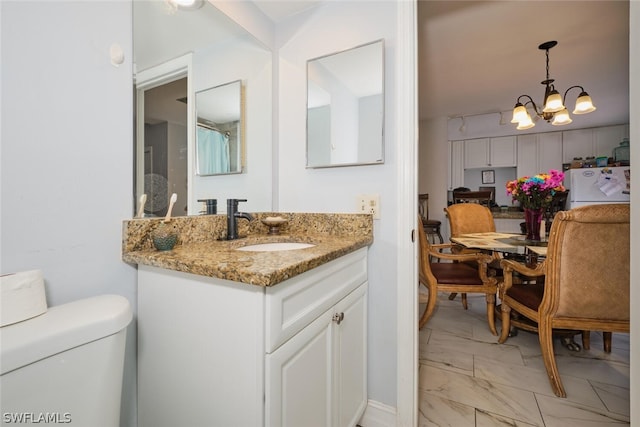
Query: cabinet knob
[338, 317]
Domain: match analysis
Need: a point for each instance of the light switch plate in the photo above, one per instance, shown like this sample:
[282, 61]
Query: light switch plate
[370, 204]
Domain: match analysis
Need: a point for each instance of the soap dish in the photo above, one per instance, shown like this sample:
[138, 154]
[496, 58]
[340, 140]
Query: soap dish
[274, 223]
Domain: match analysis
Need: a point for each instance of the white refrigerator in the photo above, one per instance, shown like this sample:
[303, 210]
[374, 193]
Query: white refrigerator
[590, 186]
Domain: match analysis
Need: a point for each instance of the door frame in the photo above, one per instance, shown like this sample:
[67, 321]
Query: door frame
[407, 255]
[150, 78]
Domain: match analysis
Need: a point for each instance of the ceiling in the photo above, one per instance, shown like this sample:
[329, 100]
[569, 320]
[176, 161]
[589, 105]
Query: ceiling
[478, 56]
[279, 10]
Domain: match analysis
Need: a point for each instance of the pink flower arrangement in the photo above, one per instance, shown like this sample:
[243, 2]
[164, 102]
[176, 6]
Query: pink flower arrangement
[535, 192]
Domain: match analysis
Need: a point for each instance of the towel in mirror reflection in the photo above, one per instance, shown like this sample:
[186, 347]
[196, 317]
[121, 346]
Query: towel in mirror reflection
[213, 152]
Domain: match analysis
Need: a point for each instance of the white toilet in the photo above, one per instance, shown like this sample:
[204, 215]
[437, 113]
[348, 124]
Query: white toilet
[66, 365]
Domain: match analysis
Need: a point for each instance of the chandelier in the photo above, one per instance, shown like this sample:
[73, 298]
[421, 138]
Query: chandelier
[553, 109]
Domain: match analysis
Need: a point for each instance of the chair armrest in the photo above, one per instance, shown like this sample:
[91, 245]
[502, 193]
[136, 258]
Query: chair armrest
[509, 266]
[435, 251]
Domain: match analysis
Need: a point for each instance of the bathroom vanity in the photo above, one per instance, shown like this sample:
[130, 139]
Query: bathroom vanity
[276, 346]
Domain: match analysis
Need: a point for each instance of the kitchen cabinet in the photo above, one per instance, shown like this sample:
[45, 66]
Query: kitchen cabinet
[456, 176]
[539, 153]
[217, 352]
[592, 142]
[607, 138]
[490, 152]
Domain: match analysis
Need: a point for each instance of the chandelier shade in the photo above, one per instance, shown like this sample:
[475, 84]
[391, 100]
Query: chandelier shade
[561, 118]
[553, 105]
[519, 113]
[584, 104]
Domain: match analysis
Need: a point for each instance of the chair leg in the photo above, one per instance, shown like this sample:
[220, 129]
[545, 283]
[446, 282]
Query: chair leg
[452, 296]
[505, 318]
[545, 335]
[428, 312]
[491, 313]
[606, 337]
[464, 301]
[586, 340]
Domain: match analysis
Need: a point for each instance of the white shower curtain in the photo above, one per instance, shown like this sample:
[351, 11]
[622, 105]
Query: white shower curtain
[213, 151]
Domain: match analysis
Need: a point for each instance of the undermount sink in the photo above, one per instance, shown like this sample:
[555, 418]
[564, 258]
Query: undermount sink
[272, 247]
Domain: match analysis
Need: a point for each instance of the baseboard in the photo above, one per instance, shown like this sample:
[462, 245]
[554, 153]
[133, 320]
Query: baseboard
[378, 414]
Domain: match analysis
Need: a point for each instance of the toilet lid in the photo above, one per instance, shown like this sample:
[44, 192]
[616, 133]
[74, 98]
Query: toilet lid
[61, 328]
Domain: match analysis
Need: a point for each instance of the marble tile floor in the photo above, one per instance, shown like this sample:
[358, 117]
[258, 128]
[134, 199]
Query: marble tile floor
[467, 379]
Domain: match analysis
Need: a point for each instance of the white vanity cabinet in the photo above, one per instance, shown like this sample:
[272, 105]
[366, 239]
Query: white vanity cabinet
[220, 353]
[318, 377]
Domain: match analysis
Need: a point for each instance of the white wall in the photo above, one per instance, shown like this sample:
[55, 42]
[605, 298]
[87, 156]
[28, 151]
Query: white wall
[433, 168]
[333, 27]
[67, 152]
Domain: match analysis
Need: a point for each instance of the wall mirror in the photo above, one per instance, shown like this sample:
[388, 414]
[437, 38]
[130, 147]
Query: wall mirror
[219, 134]
[190, 70]
[345, 107]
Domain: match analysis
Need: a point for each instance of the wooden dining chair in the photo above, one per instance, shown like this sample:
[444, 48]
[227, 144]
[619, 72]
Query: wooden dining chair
[454, 275]
[466, 218]
[586, 284]
[431, 226]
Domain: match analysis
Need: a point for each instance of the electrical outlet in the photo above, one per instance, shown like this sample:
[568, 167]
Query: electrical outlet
[369, 203]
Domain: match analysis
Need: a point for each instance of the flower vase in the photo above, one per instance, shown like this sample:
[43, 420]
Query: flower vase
[532, 219]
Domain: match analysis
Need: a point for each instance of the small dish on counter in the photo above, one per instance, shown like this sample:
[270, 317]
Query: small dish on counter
[274, 223]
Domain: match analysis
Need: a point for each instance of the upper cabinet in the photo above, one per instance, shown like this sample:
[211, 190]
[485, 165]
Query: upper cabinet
[456, 177]
[490, 152]
[592, 142]
[608, 138]
[539, 153]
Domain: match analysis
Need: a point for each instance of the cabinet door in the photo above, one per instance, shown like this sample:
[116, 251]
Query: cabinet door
[457, 165]
[299, 378]
[607, 138]
[577, 143]
[549, 151]
[476, 153]
[502, 152]
[350, 389]
[527, 155]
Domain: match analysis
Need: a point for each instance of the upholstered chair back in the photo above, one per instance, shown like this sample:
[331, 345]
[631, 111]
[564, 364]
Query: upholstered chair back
[587, 272]
[465, 218]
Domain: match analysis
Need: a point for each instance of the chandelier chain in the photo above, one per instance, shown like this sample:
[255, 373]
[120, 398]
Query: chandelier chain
[547, 53]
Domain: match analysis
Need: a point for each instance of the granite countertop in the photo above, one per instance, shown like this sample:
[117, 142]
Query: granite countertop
[509, 214]
[200, 250]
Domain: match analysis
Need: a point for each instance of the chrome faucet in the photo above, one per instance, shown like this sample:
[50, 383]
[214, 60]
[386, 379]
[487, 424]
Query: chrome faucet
[232, 217]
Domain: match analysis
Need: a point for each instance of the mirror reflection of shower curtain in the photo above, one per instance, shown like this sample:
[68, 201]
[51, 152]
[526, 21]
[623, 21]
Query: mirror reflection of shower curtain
[213, 152]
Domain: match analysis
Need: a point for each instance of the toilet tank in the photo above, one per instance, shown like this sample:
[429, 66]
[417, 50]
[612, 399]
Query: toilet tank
[65, 366]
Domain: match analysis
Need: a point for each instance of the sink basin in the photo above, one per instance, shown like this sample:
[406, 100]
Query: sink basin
[272, 247]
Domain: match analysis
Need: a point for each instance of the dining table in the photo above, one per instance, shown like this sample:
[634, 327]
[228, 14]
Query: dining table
[530, 252]
[503, 243]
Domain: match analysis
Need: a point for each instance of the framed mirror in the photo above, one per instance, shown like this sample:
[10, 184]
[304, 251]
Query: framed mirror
[184, 60]
[345, 107]
[219, 134]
